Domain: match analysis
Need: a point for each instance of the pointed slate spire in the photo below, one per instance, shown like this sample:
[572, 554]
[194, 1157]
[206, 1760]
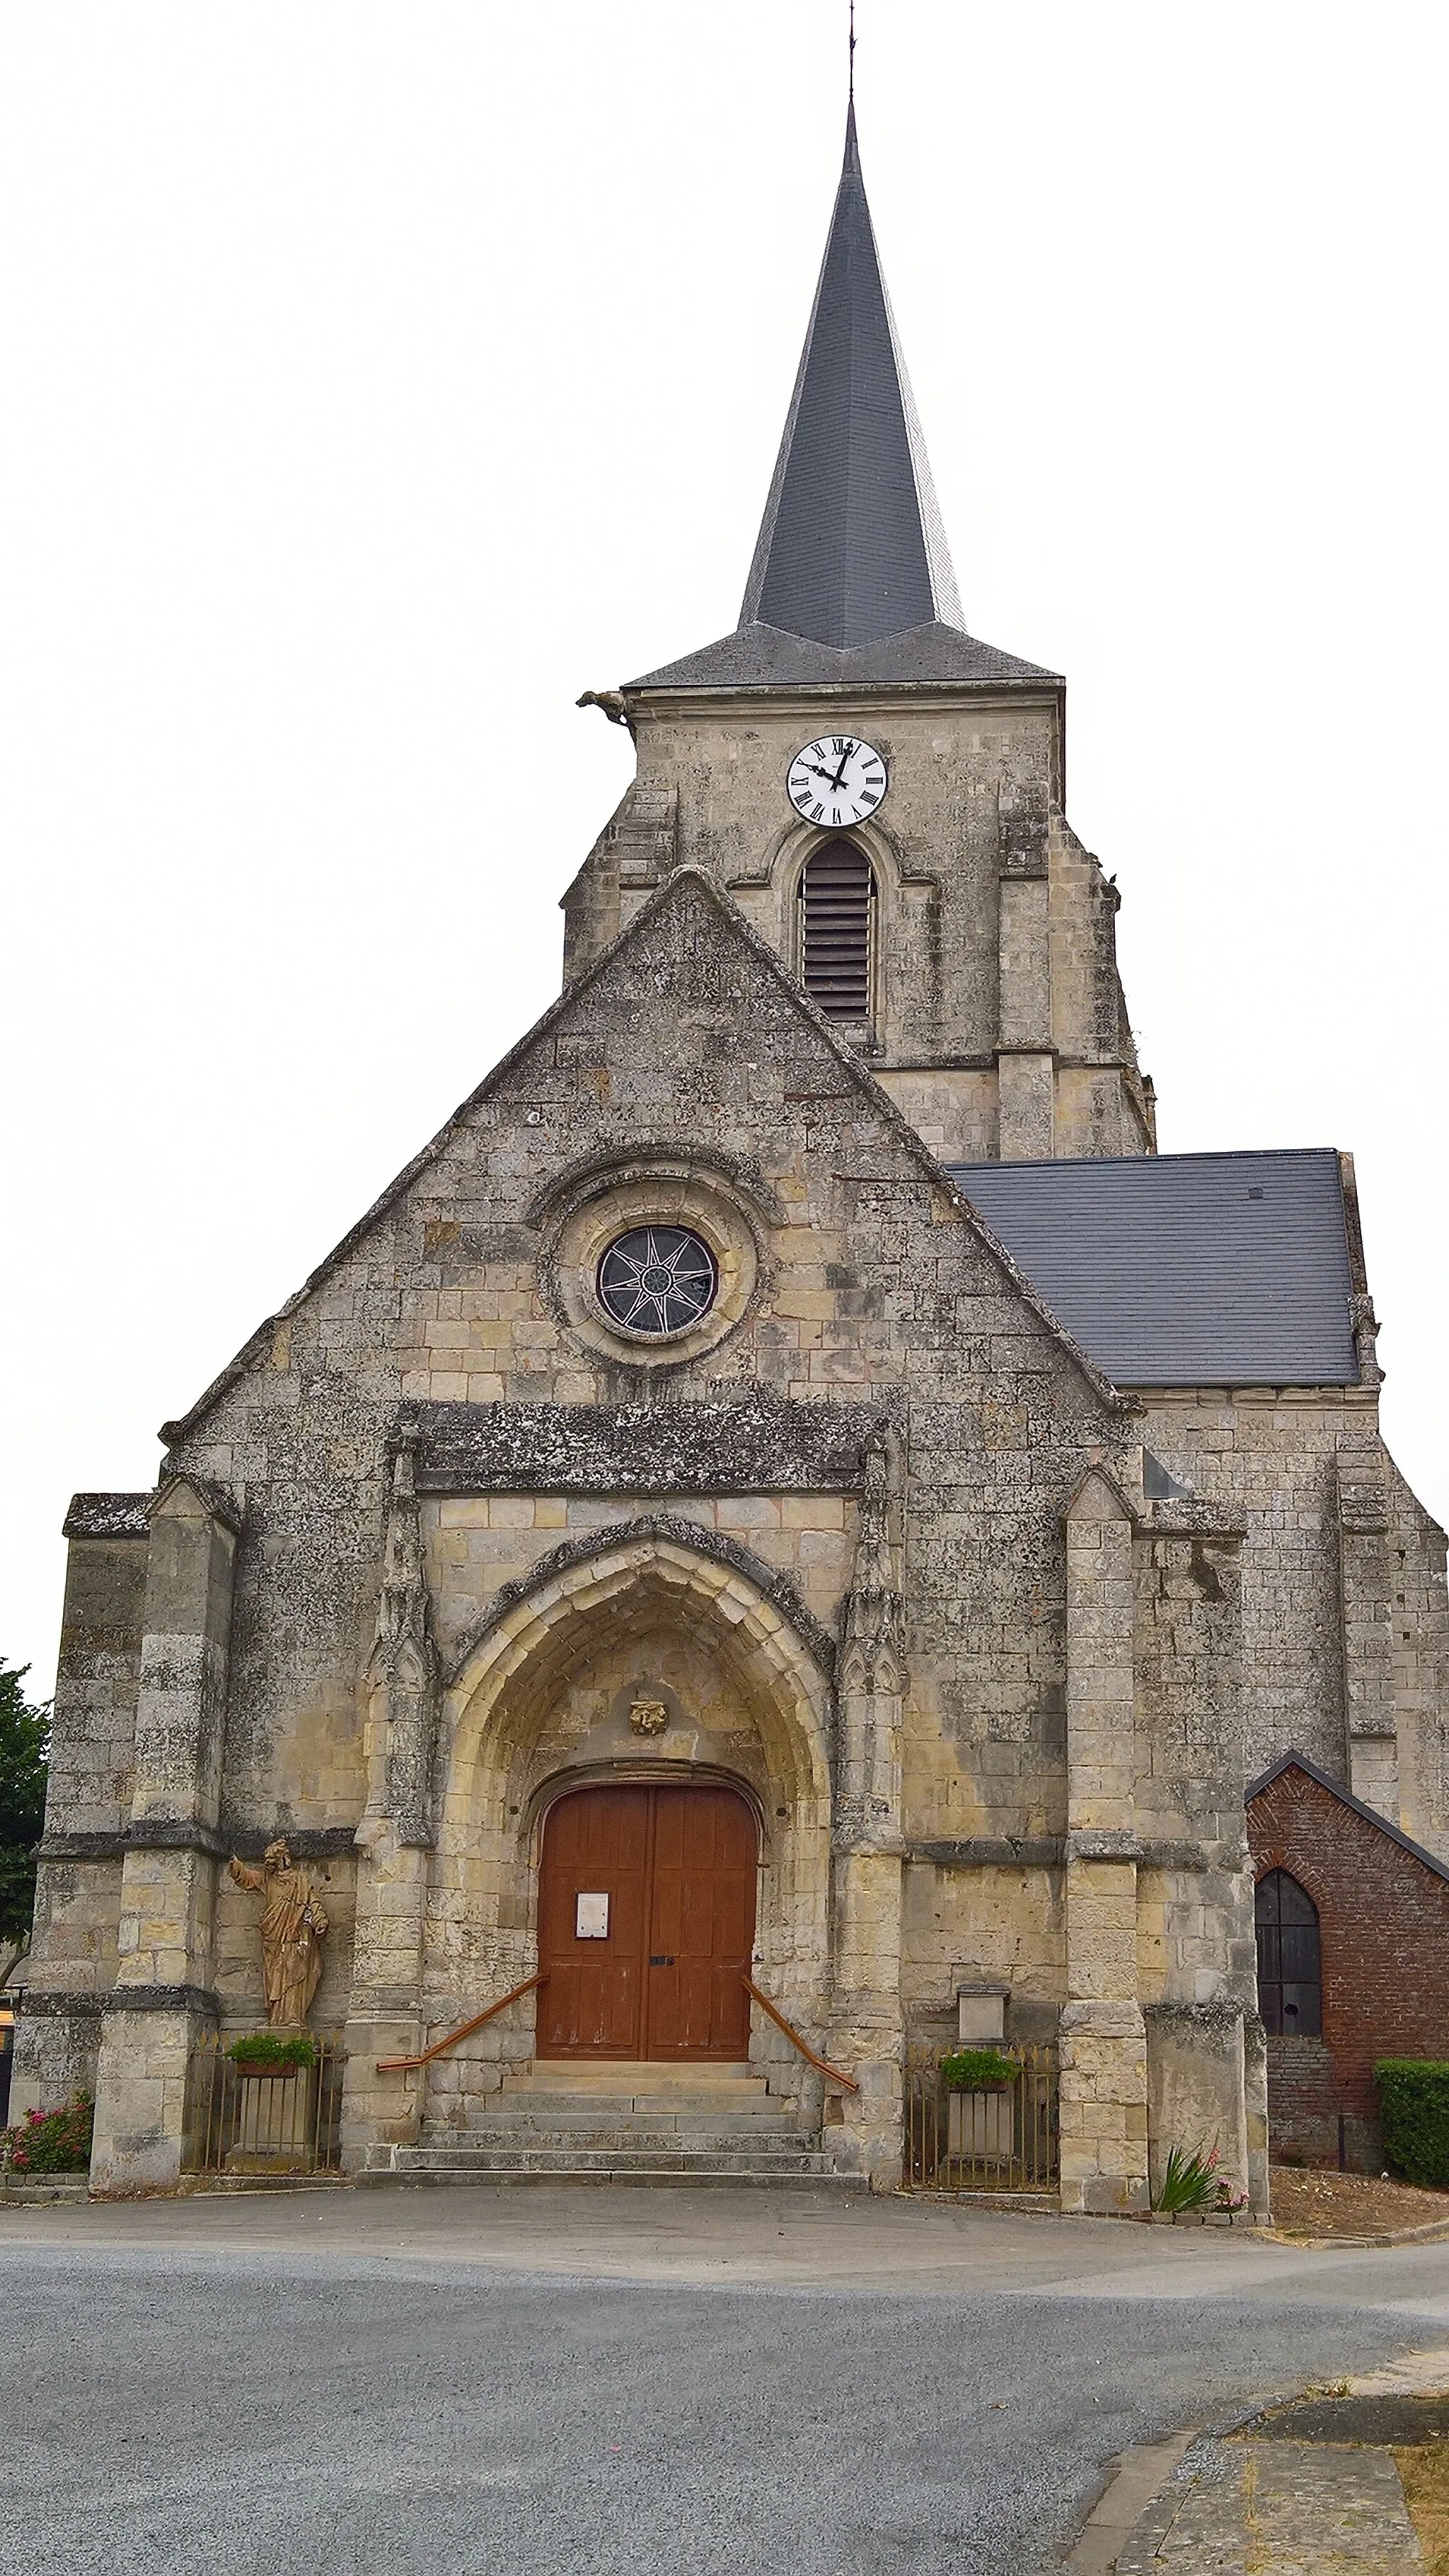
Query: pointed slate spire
[851, 548]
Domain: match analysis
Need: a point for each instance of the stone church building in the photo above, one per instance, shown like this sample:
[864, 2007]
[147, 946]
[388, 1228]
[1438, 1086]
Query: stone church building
[789, 1528]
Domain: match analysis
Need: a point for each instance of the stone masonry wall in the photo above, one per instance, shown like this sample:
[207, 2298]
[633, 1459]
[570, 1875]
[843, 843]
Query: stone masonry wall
[962, 850]
[874, 1287]
[689, 1063]
[92, 1759]
[1270, 1457]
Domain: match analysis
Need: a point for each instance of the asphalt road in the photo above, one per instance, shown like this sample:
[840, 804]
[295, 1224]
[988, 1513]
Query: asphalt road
[486, 2383]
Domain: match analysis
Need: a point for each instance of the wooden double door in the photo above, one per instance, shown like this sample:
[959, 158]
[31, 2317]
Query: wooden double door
[646, 1923]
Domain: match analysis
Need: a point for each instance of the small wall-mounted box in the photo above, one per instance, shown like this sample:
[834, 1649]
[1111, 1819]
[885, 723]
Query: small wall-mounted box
[981, 2011]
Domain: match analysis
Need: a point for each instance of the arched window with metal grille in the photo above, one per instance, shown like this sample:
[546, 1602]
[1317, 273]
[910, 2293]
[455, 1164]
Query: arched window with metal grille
[1290, 1971]
[837, 931]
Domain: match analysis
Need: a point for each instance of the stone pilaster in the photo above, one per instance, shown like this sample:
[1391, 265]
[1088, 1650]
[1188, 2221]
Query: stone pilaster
[866, 2023]
[69, 1967]
[1366, 1588]
[396, 1834]
[163, 1994]
[1103, 2036]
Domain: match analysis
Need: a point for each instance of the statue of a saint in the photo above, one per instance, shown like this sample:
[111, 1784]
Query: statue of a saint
[292, 1927]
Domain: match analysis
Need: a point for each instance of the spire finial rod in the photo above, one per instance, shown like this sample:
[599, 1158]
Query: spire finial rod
[852, 52]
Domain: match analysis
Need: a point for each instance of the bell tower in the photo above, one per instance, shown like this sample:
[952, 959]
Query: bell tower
[881, 793]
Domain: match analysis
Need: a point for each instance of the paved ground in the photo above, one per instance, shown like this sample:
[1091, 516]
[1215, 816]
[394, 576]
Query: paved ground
[1330, 2482]
[494, 2382]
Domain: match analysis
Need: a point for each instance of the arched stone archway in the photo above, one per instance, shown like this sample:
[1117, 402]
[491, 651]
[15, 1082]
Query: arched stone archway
[542, 1698]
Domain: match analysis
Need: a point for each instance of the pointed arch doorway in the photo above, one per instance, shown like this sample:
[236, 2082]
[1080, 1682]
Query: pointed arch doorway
[646, 1923]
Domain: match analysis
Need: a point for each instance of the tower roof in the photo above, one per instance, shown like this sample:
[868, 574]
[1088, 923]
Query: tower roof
[851, 548]
[851, 585]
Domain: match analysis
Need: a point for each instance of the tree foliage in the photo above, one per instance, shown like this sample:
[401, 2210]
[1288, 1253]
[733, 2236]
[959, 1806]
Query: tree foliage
[24, 1747]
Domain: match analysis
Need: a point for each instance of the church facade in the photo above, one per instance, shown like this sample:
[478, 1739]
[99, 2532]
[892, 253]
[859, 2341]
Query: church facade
[790, 1525]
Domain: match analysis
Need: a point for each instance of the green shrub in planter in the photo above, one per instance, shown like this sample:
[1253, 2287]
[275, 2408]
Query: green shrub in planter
[50, 2142]
[261, 2049]
[978, 2070]
[1414, 2106]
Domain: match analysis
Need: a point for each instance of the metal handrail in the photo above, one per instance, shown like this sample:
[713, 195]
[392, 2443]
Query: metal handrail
[390, 2065]
[821, 2065]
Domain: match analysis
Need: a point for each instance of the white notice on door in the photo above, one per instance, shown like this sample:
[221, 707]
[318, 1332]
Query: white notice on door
[591, 1922]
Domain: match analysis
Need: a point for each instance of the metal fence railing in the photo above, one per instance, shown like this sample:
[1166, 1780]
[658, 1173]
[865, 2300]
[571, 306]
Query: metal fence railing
[1001, 2140]
[265, 2120]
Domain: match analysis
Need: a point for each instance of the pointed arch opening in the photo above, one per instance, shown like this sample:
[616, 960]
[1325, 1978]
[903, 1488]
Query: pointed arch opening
[1290, 1965]
[647, 1663]
[838, 940]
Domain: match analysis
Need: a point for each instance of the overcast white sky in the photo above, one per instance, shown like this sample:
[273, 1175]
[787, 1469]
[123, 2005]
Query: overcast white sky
[379, 377]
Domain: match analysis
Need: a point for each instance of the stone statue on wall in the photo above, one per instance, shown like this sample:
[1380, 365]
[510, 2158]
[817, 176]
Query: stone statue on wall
[293, 1925]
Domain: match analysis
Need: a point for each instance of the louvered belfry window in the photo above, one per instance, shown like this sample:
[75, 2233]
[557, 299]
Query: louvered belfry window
[837, 931]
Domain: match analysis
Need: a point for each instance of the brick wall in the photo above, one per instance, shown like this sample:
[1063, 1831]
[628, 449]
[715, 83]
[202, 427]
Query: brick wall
[1384, 1927]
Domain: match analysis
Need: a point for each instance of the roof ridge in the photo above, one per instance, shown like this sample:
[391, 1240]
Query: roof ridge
[1095, 1162]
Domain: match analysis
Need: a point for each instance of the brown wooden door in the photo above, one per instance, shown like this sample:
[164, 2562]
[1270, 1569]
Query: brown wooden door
[702, 1925]
[677, 1865]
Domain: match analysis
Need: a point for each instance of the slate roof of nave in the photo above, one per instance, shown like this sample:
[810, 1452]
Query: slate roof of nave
[1186, 1269]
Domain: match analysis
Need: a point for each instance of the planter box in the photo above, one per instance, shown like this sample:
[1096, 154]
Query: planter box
[981, 2127]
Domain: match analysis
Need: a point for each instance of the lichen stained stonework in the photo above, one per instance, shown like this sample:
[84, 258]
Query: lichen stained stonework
[678, 1423]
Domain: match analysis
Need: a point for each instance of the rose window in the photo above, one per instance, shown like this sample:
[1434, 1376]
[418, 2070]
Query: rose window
[657, 1279]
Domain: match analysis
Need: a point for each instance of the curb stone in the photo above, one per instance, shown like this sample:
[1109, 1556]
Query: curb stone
[1109, 2546]
[1436, 2230]
[1278, 2505]
[1170, 2465]
[1120, 2514]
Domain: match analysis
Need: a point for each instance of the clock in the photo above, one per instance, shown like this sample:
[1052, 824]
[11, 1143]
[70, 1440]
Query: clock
[838, 779]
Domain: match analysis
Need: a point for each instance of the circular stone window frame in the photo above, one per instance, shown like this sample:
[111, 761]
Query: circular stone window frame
[582, 1224]
[690, 1240]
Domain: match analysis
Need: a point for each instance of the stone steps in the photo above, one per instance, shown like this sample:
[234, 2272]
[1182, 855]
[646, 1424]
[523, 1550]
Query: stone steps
[629, 2074]
[635, 2107]
[671, 2137]
[623, 2089]
[803, 2169]
[614, 2157]
[621, 2122]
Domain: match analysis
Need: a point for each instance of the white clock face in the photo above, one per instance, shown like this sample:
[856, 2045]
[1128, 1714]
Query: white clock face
[838, 779]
